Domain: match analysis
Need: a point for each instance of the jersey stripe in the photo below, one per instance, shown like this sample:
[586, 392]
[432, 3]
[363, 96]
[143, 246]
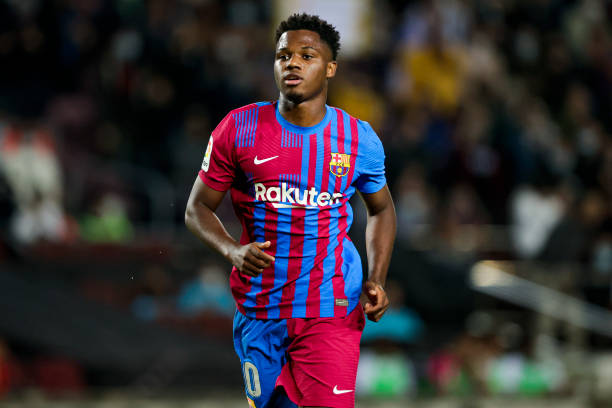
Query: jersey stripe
[243, 127]
[267, 277]
[251, 141]
[290, 139]
[246, 126]
[313, 307]
[243, 123]
[294, 250]
[263, 232]
[310, 247]
[309, 154]
[237, 118]
[352, 280]
[338, 279]
[329, 216]
[250, 122]
[283, 242]
[283, 246]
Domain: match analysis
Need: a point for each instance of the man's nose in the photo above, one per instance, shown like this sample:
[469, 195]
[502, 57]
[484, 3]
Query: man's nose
[293, 62]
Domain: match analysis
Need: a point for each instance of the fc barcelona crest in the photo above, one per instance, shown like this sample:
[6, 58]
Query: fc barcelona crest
[340, 164]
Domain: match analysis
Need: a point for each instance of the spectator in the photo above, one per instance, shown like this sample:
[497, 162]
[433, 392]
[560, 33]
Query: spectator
[32, 168]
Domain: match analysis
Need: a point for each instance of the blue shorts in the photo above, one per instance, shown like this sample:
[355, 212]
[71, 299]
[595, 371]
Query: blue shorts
[261, 346]
[291, 362]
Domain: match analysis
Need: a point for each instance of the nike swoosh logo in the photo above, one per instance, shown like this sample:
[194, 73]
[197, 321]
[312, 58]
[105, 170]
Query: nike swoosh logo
[263, 160]
[337, 391]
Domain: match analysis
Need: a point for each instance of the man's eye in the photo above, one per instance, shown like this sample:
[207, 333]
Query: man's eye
[307, 56]
[283, 57]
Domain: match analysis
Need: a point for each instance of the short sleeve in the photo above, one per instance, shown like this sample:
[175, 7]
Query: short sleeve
[371, 162]
[219, 165]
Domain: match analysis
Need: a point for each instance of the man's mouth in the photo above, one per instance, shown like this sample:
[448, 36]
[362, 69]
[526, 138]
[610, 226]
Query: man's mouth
[292, 79]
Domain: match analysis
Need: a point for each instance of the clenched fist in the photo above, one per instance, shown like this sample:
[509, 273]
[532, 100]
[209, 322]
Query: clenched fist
[251, 259]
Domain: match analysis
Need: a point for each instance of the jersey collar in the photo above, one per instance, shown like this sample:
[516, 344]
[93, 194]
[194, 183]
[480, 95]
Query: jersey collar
[301, 129]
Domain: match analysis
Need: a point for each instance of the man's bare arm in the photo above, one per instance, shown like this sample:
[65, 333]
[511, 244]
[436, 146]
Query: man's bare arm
[202, 221]
[380, 235]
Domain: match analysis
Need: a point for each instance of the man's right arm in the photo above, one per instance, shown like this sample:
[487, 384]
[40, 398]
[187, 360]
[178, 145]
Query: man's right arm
[202, 221]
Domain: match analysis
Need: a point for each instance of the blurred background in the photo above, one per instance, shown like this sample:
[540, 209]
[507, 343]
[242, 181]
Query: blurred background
[496, 119]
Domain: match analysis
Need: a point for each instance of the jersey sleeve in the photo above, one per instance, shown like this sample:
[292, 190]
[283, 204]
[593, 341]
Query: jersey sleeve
[371, 166]
[219, 165]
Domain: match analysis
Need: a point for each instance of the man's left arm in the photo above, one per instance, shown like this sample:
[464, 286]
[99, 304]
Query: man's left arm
[380, 235]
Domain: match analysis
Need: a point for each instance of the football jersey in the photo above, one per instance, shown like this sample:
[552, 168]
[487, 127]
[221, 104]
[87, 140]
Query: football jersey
[291, 185]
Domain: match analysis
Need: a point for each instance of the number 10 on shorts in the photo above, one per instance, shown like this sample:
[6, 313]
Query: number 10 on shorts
[251, 379]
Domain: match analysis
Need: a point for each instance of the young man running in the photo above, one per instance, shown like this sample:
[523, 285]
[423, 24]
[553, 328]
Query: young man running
[291, 166]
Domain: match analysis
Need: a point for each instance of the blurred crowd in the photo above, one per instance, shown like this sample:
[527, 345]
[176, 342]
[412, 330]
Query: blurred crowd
[492, 113]
[496, 117]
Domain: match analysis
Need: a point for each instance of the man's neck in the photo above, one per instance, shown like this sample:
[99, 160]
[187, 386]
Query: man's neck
[306, 114]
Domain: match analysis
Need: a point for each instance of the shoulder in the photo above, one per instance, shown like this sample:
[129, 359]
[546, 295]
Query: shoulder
[364, 128]
[237, 117]
[251, 107]
[370, 146]
[369, 142]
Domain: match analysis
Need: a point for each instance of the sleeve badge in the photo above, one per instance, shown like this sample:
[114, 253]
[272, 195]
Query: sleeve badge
[206, 161]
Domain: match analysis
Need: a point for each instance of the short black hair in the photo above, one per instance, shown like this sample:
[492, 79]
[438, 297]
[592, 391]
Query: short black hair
[326, 31]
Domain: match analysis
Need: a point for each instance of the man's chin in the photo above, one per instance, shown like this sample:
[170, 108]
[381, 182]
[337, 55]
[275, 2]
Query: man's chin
[295, 97]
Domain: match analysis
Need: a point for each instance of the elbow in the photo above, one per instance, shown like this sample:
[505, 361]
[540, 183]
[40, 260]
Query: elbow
[385, 210]
[188, 215]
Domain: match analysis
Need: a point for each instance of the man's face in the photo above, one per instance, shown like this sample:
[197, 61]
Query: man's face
[302, 65]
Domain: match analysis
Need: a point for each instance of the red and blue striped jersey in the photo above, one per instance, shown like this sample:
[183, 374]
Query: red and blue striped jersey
[291, 185]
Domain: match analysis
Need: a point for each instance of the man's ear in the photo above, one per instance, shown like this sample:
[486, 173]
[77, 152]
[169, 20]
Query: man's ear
[331, 69]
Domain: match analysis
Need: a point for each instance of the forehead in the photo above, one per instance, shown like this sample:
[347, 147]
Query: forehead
[301, 38]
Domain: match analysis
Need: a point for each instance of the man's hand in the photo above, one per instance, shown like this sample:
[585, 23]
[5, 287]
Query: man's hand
[377, 301]
[250, 259]
[200, 218]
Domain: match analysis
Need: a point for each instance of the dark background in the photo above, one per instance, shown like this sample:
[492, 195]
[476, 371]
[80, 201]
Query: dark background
[496, 120]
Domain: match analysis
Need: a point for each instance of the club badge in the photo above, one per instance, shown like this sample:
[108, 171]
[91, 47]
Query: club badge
[340, 164]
